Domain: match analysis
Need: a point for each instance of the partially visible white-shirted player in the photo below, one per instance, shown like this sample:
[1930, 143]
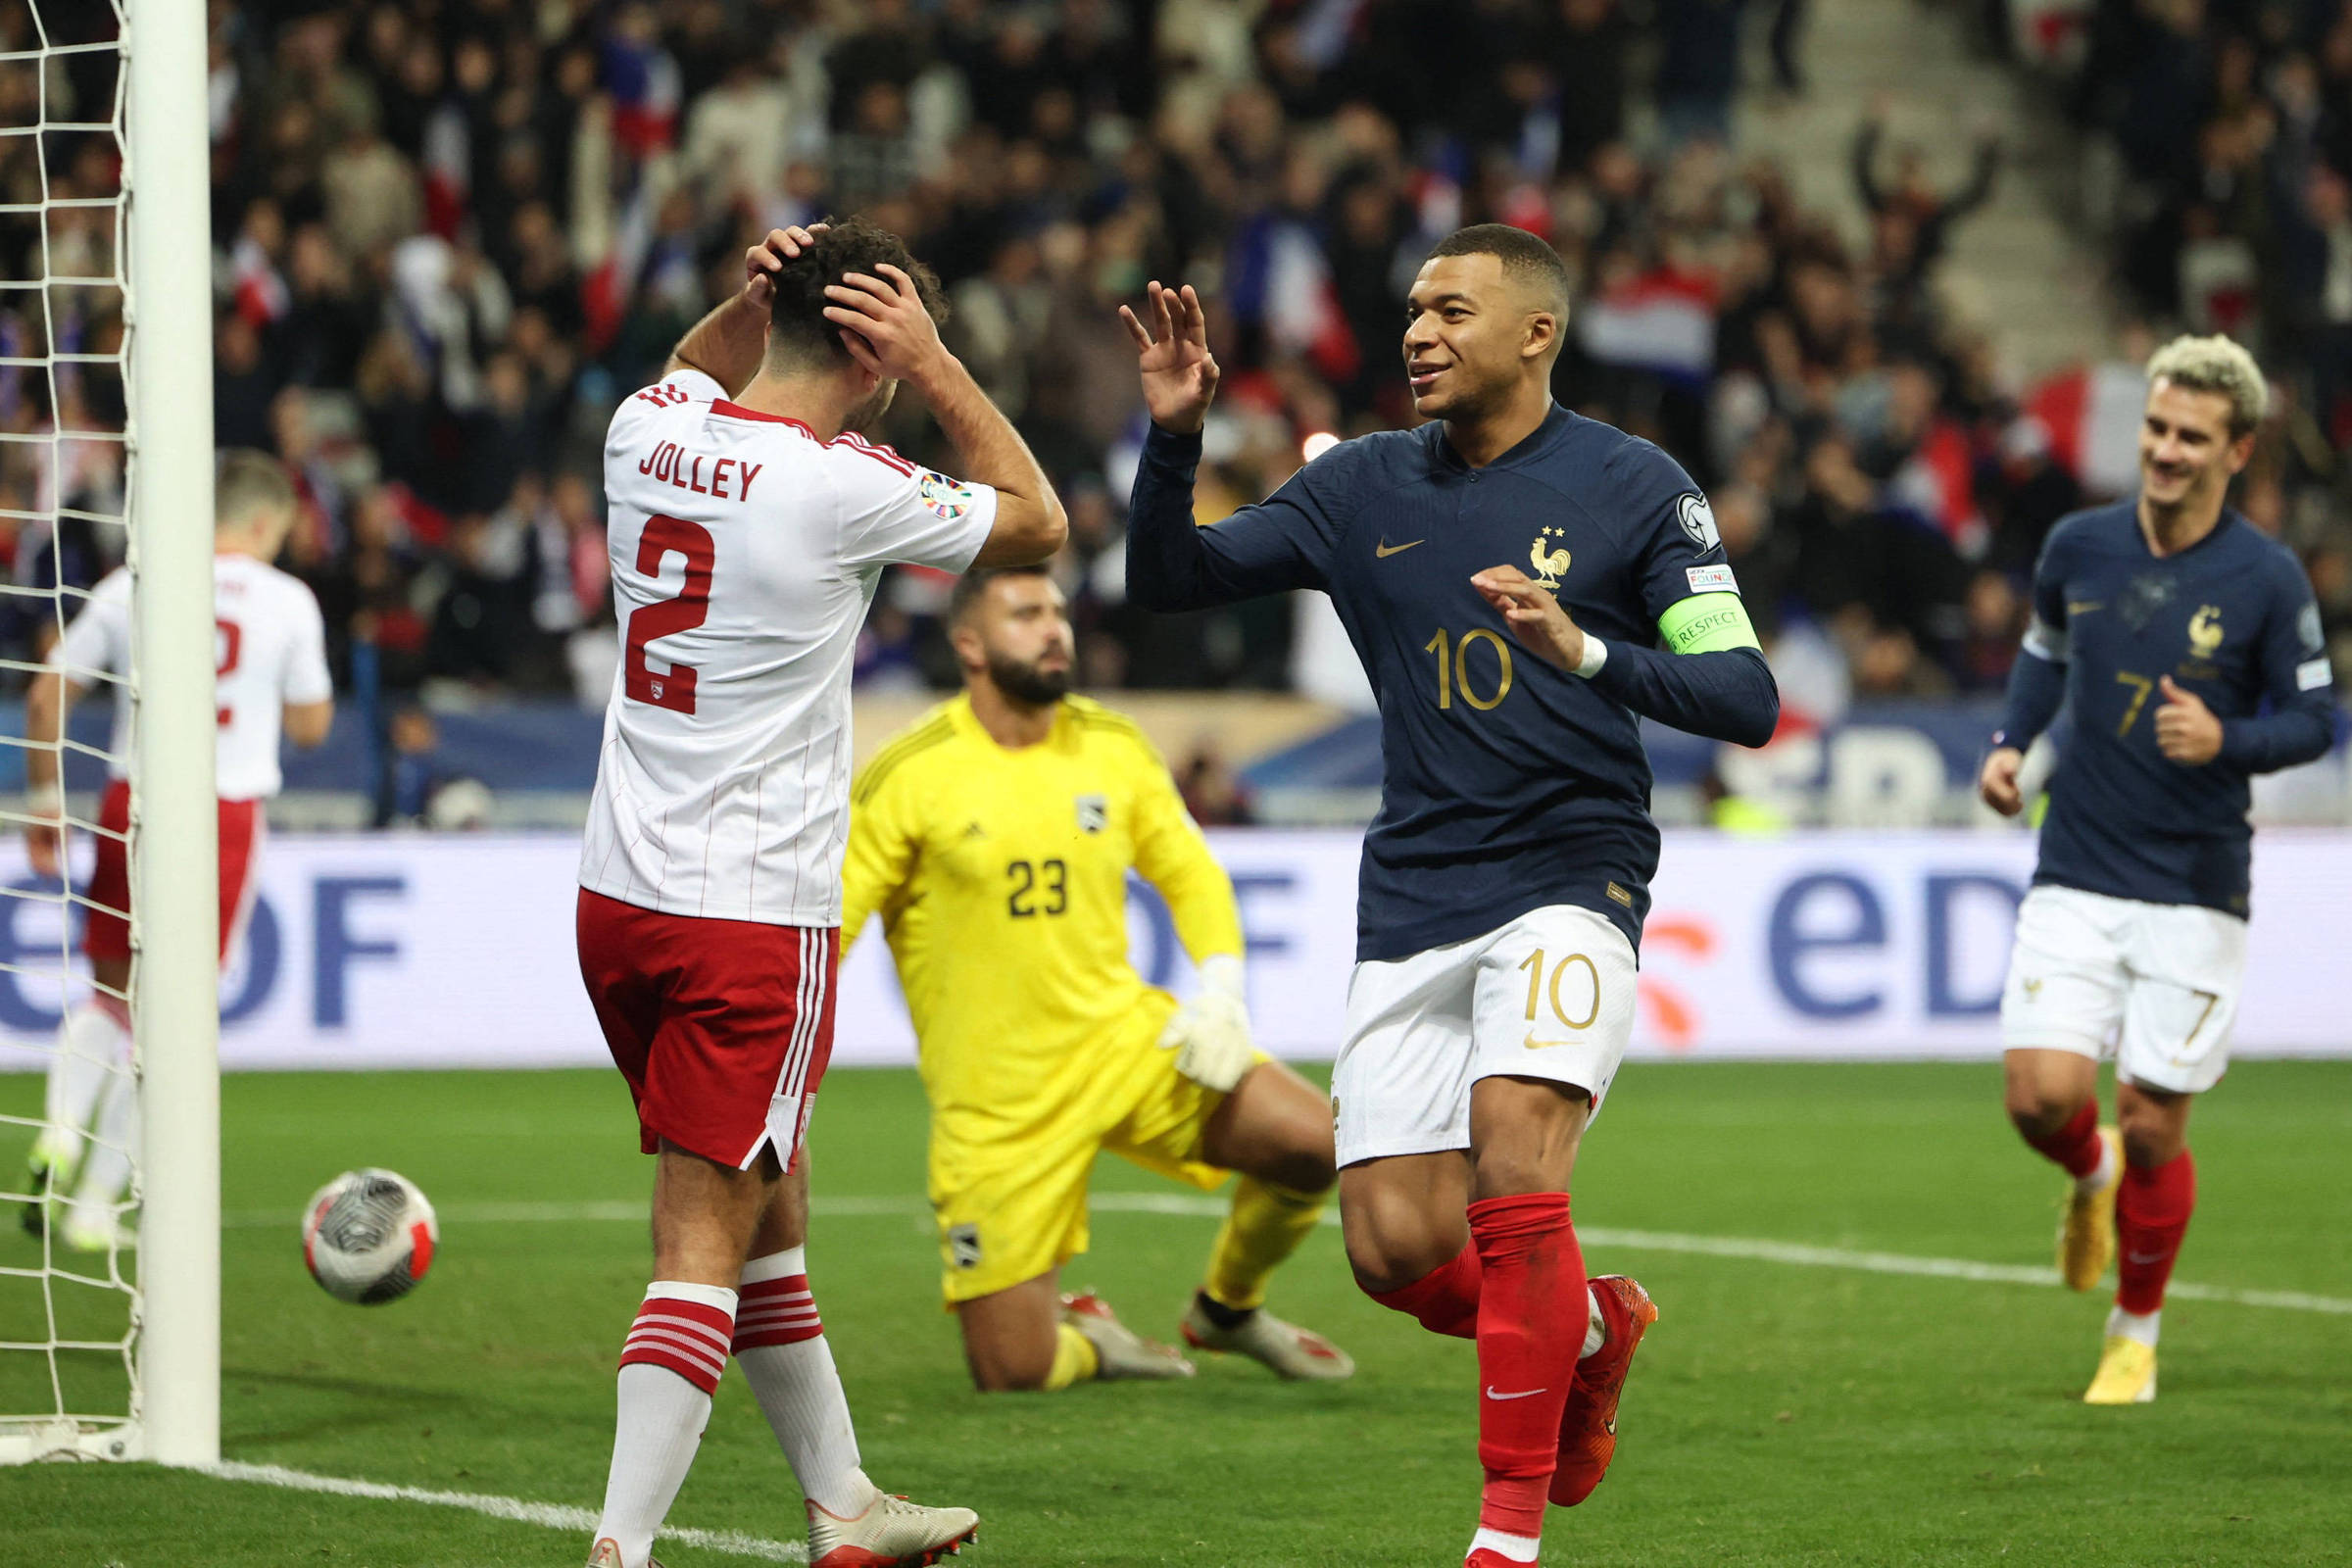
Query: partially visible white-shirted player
[748, 523]
[270, 677]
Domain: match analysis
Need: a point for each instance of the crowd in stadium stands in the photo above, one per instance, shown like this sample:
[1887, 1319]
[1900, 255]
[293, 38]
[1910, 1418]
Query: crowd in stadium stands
[450, 234]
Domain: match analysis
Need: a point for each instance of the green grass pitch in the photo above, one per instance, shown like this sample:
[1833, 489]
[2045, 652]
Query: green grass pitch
[1778, 1414]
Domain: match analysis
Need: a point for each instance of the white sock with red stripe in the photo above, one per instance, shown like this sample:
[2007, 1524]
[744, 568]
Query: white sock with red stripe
[669, 1367]
[781, 1347]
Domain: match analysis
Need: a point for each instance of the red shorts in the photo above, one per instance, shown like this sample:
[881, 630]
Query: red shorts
[106, 934]
[721, 1027]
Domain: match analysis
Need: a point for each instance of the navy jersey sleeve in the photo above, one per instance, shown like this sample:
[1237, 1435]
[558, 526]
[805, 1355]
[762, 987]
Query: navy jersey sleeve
[2037, 680]
[2297, 686]
[1715, 682]
[1281, 543]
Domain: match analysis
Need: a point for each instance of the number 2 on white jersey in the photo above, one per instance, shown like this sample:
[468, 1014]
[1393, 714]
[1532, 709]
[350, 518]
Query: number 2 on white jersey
[664, 536]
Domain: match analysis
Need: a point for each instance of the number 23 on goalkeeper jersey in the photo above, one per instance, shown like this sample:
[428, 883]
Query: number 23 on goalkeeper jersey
[1000, 877]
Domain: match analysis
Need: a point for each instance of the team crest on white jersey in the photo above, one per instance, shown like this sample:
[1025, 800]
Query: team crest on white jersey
[1094, 813]
[1698, 520]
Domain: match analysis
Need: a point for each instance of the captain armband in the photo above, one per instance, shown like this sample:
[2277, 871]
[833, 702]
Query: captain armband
[1708, 623]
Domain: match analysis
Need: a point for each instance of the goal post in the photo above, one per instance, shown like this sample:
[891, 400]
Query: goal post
[175, 828]
[174, 838]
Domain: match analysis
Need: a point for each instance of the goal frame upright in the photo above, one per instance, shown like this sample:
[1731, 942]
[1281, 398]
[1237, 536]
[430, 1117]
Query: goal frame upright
[174, 854]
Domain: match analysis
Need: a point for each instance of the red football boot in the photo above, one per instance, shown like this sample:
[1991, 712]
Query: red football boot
[1588, 1425]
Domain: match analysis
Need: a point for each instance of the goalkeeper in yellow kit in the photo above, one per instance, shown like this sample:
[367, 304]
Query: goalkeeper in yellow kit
[993, 837]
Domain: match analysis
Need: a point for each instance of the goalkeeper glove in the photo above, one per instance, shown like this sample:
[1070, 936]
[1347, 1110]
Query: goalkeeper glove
[1210, 1034]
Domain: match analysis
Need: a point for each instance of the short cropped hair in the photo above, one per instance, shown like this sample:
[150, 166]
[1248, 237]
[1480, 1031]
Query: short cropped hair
[247, 481]
[2216, 364]
[974, 583]
[797, 328]
[1522, 256]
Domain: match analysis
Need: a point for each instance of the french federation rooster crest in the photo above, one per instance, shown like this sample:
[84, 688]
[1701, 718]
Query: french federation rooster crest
[1549, 565]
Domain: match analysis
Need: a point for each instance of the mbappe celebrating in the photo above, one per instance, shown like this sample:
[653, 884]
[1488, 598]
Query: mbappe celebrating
[1505, 572]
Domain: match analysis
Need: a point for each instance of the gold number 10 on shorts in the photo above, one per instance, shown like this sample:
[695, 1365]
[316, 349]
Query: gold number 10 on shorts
[1538, 990]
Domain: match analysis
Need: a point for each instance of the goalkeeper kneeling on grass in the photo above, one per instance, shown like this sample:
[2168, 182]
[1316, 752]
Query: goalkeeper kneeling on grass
[993, 837]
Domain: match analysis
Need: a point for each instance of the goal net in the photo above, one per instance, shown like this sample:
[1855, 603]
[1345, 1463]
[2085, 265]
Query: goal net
[108, 1086]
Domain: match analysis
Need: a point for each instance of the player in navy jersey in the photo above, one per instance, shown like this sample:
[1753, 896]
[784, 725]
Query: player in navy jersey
[1504, 572]
[2188, 647]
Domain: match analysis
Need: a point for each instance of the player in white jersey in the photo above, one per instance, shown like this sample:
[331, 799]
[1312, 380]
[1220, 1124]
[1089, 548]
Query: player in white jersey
[270, 677]
[748, 523]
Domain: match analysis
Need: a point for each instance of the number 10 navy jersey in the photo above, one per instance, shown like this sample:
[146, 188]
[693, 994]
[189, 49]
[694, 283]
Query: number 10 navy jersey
[1510, 783]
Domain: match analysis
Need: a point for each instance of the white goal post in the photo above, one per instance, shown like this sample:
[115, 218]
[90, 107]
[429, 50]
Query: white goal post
[176, 1009]
[114, 1353]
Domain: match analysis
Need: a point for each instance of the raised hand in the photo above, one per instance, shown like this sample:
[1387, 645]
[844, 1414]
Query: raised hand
[2187, 730]
[884, 326]
[1180, 374]
[1534, 616]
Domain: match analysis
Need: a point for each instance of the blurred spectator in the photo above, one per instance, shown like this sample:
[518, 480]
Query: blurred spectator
[1212, 791]
[452, 236]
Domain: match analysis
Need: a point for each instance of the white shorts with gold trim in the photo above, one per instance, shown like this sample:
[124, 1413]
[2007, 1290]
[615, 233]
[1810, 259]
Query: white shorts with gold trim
[2155, 986]
[1549, 996]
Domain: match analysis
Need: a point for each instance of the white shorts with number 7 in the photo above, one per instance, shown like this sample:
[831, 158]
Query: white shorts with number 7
[2156, 985]
[1549, 996]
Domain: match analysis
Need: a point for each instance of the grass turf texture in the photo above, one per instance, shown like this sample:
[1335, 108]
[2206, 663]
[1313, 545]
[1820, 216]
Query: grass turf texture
[1778, 1415]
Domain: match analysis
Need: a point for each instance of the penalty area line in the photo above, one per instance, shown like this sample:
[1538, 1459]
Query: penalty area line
[547, 1515]
[1747, 1248]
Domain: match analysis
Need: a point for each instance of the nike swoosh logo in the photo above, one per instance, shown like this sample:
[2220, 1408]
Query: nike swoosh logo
[1609, 1426]
[2152, 1258]
[1383, 550]
[1533, 1043]
[2082, 607]
[1528, 1395]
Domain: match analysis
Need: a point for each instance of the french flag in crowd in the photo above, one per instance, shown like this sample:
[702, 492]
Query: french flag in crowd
[1662, 321]
[606, 291]
[448, 170]
[1939, 482]
[1281, 280]
[644, 86]
[2092, 414]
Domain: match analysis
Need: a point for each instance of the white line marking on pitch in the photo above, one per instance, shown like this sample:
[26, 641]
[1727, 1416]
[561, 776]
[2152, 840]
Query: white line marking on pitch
[1753, 1249]
[549, 1515]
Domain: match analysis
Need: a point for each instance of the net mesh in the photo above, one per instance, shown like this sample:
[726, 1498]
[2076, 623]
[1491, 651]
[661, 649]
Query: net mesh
[68, 1300]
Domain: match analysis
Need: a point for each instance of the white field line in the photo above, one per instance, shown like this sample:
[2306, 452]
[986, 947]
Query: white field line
[549, 1515]
[1747, 1249]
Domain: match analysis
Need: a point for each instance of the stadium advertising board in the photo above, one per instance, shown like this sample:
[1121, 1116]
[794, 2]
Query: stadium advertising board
[435, 952]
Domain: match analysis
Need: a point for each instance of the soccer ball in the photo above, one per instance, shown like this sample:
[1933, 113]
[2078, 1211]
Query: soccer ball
[368, 1236]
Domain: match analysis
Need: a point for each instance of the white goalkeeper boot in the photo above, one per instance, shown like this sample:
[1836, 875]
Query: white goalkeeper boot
[1289, 1351]
[1120, 1352]
[892, 1532]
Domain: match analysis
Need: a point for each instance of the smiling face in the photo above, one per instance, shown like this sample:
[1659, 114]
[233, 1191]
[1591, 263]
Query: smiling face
[1472, 333]
[1017, 634]
[2186, 454]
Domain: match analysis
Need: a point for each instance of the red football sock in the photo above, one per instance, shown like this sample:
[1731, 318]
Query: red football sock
[1444, 1300]
[2075, 1146]
[1531, 1323]
[2151, 1215]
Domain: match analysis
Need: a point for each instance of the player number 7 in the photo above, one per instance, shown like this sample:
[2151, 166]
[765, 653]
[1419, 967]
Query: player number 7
[2140, 687]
